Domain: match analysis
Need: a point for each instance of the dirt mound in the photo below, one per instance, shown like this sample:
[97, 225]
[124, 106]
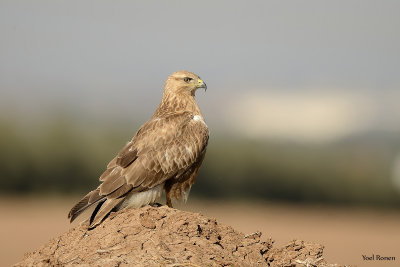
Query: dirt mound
[167, 237]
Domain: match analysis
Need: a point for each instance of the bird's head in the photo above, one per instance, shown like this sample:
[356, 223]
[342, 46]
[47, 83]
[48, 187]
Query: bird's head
[184, 82]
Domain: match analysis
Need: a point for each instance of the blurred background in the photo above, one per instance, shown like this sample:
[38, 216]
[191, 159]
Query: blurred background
[302, 105]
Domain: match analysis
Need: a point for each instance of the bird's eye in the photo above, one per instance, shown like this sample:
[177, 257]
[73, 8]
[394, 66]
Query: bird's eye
[187, 79]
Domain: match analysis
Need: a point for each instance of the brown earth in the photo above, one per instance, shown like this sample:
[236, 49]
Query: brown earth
[163, 236]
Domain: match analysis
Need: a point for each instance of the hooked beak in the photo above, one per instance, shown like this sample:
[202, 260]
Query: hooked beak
[201, 84]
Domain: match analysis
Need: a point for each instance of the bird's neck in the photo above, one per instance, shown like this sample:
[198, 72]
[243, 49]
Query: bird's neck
[175, 103]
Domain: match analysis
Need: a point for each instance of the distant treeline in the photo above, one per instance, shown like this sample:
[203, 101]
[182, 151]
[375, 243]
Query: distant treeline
[66, 155]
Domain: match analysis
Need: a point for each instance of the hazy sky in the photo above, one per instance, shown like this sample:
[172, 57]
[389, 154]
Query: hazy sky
[112, 57]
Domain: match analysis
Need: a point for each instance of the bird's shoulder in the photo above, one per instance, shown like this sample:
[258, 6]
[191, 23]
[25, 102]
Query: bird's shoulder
[169, 124]
[160, 132]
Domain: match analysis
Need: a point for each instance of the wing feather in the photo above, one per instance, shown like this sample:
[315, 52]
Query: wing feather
[163, 148]
[112, 184]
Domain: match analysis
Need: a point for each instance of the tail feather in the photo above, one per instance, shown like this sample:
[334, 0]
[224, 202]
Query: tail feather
[87, 201]
[95, 211]
[102, 210]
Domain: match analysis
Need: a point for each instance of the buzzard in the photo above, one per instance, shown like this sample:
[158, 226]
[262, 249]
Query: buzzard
[164, 155]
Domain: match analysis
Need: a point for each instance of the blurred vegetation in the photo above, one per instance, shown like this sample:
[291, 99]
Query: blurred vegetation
[66, 155]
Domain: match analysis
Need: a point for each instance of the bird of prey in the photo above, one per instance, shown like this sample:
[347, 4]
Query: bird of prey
[164, 155]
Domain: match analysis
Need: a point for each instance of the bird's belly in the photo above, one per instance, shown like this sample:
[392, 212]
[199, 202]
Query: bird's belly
[140, 199]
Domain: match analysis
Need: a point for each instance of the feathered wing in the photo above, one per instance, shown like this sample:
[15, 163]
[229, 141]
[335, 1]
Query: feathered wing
[165, 148]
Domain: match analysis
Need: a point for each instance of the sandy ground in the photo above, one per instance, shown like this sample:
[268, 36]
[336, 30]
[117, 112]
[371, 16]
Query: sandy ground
[27, 223]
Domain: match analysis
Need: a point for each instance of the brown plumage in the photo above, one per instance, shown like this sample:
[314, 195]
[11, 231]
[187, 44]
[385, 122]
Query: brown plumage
[165, 154]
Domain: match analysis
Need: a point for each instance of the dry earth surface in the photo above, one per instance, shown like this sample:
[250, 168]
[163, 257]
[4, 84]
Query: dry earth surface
[161, 236]
[28, 222]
